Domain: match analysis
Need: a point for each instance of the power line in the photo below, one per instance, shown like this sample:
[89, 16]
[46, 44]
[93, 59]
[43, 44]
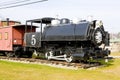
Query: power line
[17, 5]
[13, 2]
[8, 1]
[2, 2]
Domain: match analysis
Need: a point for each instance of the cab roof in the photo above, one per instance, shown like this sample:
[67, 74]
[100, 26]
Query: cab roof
[45, 20]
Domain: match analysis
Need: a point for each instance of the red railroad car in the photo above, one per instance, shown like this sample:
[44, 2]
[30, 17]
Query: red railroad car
[12, 35]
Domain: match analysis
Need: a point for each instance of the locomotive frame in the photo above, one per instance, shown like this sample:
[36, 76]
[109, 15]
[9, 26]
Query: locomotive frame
[79, 41]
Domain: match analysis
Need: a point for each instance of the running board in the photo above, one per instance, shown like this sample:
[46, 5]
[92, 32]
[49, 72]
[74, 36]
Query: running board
[57, 58]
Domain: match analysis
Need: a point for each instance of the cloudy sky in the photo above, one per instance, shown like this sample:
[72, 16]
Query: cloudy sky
[106, 10]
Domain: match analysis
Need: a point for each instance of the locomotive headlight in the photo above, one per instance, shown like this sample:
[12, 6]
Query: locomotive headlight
[99, 23]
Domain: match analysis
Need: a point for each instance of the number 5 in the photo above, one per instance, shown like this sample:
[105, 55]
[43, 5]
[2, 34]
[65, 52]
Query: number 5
[33, 40]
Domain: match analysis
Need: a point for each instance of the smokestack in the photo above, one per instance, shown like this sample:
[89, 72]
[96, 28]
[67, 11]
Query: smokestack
[7, 21]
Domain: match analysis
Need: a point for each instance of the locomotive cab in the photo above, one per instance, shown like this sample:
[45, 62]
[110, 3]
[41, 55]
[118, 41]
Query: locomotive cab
[33, 39]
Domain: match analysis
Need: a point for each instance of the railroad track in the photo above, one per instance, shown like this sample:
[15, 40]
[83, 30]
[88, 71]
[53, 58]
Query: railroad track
[114, 56]
[60, 64]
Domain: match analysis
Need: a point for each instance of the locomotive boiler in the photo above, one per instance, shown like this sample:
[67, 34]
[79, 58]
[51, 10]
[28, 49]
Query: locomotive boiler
[63, 39]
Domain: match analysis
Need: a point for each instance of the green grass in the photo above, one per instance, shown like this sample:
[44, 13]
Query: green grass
[21, 71]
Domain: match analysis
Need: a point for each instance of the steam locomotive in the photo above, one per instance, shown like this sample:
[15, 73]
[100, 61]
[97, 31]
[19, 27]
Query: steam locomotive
[62, 39]
[58, 39]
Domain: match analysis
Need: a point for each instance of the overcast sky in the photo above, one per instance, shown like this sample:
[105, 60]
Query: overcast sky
[106, 10]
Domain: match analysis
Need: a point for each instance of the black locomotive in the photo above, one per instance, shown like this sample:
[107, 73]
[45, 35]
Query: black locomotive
[62, 39]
